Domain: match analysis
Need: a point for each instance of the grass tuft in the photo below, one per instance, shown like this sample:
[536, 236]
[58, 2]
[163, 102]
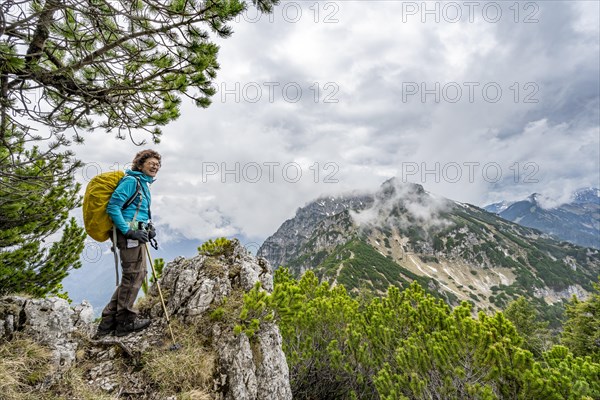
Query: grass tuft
[188, 371]
[73, 385]
[23, 365]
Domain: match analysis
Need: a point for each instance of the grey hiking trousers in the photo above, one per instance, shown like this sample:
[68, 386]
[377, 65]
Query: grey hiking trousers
[133, 266]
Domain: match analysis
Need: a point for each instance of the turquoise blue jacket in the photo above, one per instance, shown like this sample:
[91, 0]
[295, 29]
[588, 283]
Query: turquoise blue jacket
[126, 188]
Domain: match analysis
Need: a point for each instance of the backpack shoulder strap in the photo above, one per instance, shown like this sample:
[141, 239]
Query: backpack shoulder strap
[138, 190]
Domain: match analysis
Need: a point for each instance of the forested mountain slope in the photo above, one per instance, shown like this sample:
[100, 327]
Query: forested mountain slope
[402, 233]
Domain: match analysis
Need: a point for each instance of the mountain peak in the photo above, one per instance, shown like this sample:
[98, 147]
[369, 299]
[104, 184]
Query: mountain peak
[534, 198]
[395, 185]
[586, 195]
[455, 250]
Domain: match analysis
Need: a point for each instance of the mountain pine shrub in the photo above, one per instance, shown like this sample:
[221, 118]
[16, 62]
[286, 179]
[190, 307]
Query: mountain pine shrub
[409, 345]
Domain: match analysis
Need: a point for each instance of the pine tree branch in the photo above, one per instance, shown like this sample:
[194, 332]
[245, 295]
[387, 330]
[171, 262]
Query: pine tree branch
[42, 31]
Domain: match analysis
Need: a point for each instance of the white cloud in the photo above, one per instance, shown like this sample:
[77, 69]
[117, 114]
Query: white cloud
[375, 131]
[418, 208]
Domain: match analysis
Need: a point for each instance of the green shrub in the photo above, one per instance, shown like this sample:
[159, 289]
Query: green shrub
[159, 265]
[220, 246]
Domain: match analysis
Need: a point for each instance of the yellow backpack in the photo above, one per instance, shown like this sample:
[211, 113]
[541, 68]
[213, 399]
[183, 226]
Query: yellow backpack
[97, 194]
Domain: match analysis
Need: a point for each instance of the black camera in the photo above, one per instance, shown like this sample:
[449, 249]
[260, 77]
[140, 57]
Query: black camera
[149, 227]
[145, 226]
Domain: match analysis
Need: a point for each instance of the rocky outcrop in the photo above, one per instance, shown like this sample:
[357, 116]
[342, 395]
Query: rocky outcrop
[203, 295]
[50, 322]
[250, 370]
[552, 296]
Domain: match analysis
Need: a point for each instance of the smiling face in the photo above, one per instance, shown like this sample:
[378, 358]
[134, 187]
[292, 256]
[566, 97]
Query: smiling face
[151, 167]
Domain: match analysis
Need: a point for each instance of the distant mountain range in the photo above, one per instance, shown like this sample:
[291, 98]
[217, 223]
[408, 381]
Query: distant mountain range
[577, 221]
[401, 233]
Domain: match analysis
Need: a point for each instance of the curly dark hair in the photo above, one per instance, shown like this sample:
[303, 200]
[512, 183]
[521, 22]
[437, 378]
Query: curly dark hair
[141, 157]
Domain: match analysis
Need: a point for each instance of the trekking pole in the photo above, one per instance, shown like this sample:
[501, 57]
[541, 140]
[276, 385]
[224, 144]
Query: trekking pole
[175, 346]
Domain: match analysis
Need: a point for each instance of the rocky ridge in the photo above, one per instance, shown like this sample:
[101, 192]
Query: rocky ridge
[203, 295]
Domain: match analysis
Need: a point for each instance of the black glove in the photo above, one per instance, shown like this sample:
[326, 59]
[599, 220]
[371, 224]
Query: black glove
[151, 232]
[140, 235]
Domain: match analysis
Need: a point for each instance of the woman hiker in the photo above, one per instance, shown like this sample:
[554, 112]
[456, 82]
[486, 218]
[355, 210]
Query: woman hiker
[133, 230]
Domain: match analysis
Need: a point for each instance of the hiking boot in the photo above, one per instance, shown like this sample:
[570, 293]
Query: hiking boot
[105, 328]
[127, 327]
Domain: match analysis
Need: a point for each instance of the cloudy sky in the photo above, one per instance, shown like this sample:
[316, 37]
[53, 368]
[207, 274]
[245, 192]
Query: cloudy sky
[476, 101]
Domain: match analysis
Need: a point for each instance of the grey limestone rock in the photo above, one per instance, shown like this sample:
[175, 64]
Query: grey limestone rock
[50, 322]
[251, 369]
